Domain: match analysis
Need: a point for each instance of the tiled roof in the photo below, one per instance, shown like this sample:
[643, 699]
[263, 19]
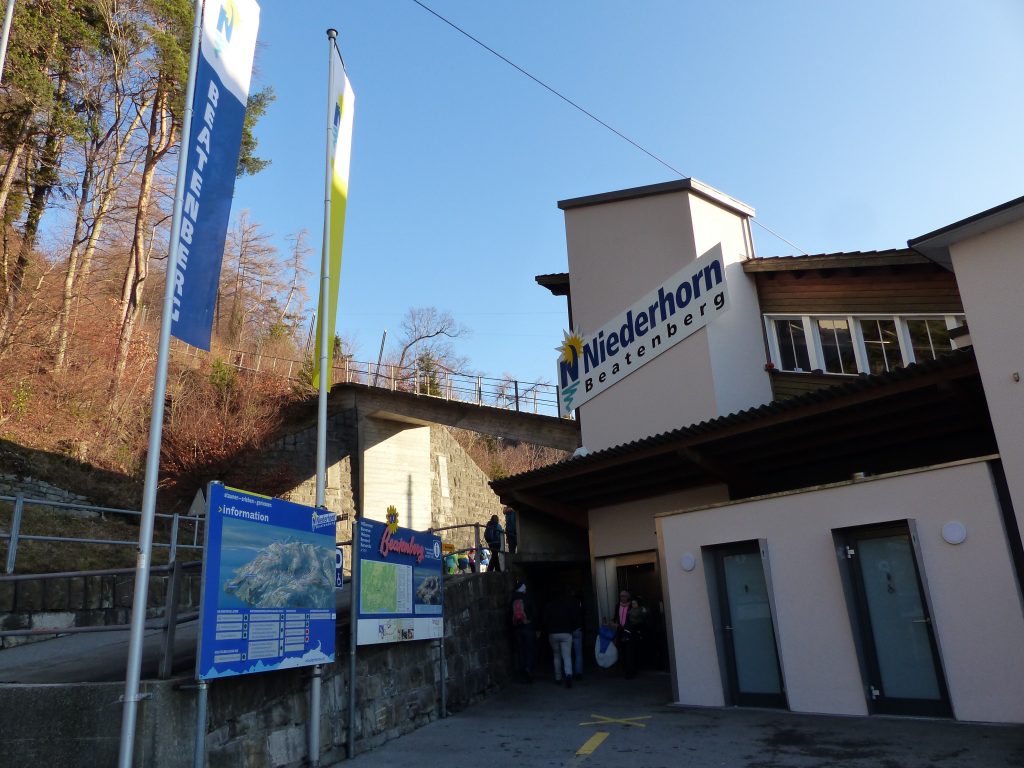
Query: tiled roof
[844, 260]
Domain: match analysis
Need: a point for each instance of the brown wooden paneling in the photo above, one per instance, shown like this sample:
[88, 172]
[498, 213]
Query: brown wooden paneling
[787, 384]
[906, 291]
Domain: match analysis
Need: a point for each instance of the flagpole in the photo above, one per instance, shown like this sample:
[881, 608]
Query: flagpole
[4, 37]
[131, 696]
[326, 333]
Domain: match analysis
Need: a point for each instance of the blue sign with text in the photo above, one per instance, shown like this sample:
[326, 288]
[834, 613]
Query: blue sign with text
[400, 584]
[268, 599]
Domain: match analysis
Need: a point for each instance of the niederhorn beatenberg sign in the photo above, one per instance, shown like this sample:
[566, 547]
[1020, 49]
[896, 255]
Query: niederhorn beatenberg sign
[680, 306]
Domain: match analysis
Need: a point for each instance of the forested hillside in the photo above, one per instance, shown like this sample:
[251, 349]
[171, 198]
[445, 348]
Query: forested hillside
[91, 105]
[90, 117]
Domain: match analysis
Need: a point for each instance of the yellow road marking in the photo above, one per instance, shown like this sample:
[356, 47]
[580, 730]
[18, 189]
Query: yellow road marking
[602, 720]
[592, 743]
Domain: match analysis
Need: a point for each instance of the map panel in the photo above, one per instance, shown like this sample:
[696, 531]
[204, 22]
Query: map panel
[400, 584]
[268, 599]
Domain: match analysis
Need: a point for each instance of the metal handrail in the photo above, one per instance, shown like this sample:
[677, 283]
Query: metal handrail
[158, 623]
[98, 572]
[15, 536]
[168, 622]
[73, 540]
[536, 397]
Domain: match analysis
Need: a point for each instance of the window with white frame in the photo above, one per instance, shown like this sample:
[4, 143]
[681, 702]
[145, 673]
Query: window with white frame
[836, 345]
[881, 344]
[929, 337]
[852, 344]
[792, 344]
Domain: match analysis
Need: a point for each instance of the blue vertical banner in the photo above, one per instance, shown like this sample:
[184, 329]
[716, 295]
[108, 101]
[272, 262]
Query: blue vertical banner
[222, 89]
[268, 592]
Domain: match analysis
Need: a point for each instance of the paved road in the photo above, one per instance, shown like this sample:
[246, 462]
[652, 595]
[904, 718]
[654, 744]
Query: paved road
[102, 657]
[544, 725]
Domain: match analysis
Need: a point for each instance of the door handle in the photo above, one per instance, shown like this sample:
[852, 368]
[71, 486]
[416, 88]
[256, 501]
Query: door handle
[925, 620]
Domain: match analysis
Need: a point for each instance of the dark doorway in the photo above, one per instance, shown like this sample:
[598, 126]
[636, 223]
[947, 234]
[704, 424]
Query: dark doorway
[643, 582]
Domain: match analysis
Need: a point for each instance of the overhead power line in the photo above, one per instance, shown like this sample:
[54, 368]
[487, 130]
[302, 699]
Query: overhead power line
[578, 107]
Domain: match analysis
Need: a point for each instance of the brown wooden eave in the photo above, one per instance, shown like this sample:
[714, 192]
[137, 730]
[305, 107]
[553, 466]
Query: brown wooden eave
[924, 414]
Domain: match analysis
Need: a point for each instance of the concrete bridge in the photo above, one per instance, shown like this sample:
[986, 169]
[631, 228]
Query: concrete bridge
[423, 410]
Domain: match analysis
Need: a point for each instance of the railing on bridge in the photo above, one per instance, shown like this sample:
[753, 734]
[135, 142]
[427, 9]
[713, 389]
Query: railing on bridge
[506, 393]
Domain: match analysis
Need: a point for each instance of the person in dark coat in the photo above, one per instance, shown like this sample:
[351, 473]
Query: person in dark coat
[524, 627]
[494, 535]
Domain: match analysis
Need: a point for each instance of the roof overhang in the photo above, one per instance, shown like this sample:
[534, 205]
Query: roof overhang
[896, 257]
[924, 414]
[557, 283]
[935, 245]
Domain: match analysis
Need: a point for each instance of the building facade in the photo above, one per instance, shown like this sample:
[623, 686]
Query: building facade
[819, 489]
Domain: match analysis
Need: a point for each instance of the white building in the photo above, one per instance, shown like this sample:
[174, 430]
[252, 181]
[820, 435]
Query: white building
[819, 479]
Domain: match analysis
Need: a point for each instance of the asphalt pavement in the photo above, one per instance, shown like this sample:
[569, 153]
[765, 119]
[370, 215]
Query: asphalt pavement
[102, 657]
[609, 722]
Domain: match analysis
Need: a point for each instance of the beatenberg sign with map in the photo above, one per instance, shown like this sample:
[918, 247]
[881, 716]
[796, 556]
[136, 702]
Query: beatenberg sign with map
[268, 598]
[400, 587]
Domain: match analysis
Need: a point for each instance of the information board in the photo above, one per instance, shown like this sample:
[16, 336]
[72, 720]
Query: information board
[400, 584]
[268, 585]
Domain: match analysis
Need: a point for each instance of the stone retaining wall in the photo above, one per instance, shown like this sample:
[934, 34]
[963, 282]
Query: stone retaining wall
[84, 601]
[13, 485]
[460, 490]
[259, 721]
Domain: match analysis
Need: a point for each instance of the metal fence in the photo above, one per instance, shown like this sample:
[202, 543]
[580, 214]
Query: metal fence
[507, 393]
[172, 545]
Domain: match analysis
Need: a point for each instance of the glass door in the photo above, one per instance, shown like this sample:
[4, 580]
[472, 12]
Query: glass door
[752, 662]
[897, 640]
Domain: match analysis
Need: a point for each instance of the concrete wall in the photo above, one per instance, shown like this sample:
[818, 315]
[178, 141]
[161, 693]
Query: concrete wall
[976, 611]
[396, 471]
[459, 490]
[736, 339]
[990, 273]
[83, 601]
[630, 526]
[258, 721]
[402, 466]
[618, 252]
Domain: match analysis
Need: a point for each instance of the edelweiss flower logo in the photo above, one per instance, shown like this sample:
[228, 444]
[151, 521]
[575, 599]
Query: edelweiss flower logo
[392, 519]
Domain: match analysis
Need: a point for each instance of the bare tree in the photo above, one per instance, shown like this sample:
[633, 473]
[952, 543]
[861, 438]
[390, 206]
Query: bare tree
[117, 111]
[427, 334]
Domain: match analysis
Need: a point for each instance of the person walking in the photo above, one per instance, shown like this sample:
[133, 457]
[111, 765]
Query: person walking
[493, 535]
[523, 629]
[559, 622]
[627, 633]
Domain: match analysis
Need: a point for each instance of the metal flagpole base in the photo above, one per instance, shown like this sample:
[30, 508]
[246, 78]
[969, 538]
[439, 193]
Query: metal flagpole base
[199, 758]
[314, 717]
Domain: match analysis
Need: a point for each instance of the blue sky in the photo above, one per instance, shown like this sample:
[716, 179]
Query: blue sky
[847, 126]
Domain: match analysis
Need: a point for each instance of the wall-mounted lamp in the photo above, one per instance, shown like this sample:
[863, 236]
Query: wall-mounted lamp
[688, 561]
[954, 532]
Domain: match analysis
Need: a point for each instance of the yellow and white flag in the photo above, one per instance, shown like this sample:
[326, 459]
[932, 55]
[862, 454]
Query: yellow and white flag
[344, 101]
